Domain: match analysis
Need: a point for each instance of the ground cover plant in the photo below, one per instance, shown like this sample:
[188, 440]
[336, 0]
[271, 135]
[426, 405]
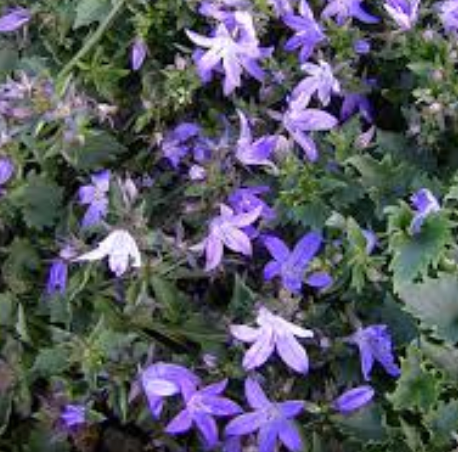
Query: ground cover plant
[228, 225]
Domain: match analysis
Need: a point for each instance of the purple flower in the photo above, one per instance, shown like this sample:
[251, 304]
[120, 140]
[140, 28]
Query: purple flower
[197, 173]
[448, 14]
[308, 32]
[120, 248]
[58, 272]
[299, 120]
[320, 82]
[291, 265]
[371, 241]
[282, 7]
[226, 230]
[274, 333]
[425, 204]
[201, 408]
[162, 380]
[257, 152]
[14, 19]
[222, 10]
[73, 415]
[274, 421]
[6, 172]
[245, 200]
[138, 54]
[342, 10]
[353, 399]
[374, 343]
[362, 46]
[95, 195]
[354, 103]
[403, 12]
[231, 50]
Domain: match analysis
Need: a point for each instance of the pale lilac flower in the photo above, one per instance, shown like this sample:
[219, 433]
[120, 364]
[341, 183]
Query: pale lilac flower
[308, 32]
[299, 120]
[371, 241]
[425, 204]
[342, 10]
[282, 7]
[274, 334]
[73, 415]
[251, 152]
[354, 399]
[403, 12]
[120, 248]
[320, 83]
[138, 54]
[222, 10]
[95, 196]
[197, 173]
[231, 50]
[226, 230]
[448, 14]
[6, 172]
[246, 199]
[354, 103]
[362, 46]
[291, 265]
[274, 421]
[161, 380]
[201, 408]
[14, 20]
[374, 343]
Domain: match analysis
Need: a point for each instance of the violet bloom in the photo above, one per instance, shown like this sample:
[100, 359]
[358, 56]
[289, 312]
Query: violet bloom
[374, 343]
[282, 7]
[371, 240]
[424, 204]
[14, 20]
[448, 14]
[245, 200]
[355, 103]
[354, 399]
[201, 408]
[226, 230]
[197, 173]
[73, 415]
[320, 82]
[161, 380]
[138, 54]
[362, 46]
[274, 334]
[95, 196]
[256, 153]
[232, 50]
[403, 12]
[342, 10]
[6, 172]
[299, 120]
[120, 248]
[274, 421]
[308, 32]
[291, 265]
[58, 272]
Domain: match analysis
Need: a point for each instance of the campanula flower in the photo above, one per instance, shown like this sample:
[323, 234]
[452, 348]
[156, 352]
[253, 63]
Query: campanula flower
[162, 380]
[353, 399]
[58, 272]
[424, 204]
[320, 82]
[299, 120]
[226, 230]
[342, 10]
[120, 248]
[274, 421]
[95, 196]
[138, 54]
[282, 7]
[274, 334]
[371, 240]
[355, 103]
[202, 406]
[6, 172]
[448, 14]
[197, 173]
[374, 343]
[291, 265]
[73, 415]
[308, 32]
[403, 12]
[232, 50]
[246, 199]
[14, 20]
[249, 152]
[362, 46]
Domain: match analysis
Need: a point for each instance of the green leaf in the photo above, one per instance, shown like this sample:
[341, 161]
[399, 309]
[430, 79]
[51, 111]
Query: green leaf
[242, 298]
[443, 422]
[417, 388]
[50, 361]
[91, 11]
[435, 303]
[171, 300]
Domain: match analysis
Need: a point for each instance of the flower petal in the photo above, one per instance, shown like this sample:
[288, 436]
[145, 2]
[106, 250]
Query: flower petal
[292, 354]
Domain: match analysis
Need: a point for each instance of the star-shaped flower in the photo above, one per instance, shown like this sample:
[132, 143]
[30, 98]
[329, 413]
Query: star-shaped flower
[95, 196]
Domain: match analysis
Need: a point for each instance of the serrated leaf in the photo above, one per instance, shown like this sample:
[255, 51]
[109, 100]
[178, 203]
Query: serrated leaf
[90, 11]
[417, 388]
[435, 303]
[50, 361]
[444, 356]
[443, 422]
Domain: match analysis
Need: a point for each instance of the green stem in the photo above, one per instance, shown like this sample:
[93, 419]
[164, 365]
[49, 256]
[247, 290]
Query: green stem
[93, 40]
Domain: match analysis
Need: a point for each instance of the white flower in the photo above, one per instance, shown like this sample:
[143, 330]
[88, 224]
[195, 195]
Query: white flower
[119, 246]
